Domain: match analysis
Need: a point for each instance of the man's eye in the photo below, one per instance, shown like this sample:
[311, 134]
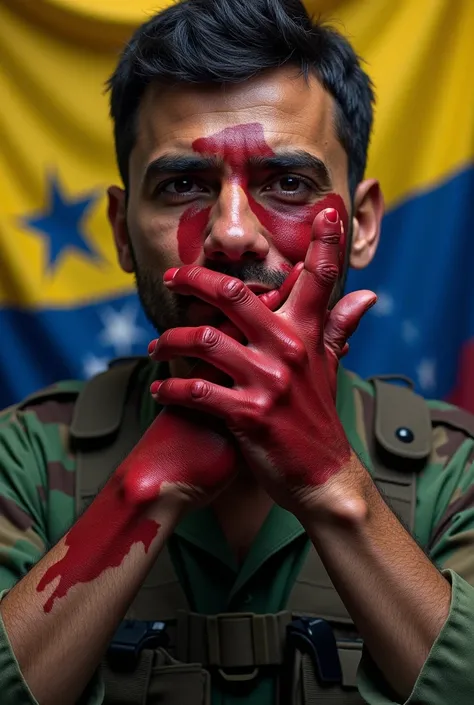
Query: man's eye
[289, 186]
[290, 183]
[180, 186]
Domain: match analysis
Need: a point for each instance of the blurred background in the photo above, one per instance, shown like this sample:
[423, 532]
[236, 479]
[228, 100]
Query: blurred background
[66, 308]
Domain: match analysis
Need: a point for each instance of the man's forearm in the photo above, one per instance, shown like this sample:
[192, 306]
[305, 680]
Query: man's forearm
[397, 598]
[61, 616]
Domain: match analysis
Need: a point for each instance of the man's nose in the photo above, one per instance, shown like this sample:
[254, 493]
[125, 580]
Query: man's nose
[235, 231]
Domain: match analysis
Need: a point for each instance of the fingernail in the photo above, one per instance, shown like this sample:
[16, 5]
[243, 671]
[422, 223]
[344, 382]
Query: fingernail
[270, 298]
[170, 274]
[155, 387]
[331, 215]
[152, 346]
[370, 304]
[298, 268]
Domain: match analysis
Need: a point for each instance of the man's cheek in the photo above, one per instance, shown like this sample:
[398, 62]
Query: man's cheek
[291, 231]
[192, 225]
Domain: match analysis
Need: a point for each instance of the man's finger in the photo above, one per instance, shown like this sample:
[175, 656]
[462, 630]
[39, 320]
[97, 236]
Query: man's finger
[212, 346]
[231, 296]
[308, 302]
[344, 318]
[234, 406]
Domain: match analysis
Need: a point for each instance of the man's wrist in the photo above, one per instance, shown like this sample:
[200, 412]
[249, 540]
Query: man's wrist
[344, 499]
[168, 510]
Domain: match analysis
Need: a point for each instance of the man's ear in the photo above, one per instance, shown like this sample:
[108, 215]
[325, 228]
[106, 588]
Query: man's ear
[117, 214]
[367, 217]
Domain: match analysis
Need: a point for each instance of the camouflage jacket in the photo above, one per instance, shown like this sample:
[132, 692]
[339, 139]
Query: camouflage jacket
[37, 506]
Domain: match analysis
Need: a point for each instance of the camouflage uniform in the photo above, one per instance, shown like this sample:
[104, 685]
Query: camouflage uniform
[37, 506]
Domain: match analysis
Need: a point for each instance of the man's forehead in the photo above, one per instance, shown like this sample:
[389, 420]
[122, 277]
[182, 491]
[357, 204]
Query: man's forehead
[291, 111]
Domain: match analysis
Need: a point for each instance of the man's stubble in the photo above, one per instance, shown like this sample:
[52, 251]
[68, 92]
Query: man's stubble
[165, 309]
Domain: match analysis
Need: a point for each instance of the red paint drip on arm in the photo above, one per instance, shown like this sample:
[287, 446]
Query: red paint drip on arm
[115, 521]
[99, 540]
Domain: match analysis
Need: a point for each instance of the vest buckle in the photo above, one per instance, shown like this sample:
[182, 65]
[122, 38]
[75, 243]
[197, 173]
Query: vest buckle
[314, 637]
[131, 637]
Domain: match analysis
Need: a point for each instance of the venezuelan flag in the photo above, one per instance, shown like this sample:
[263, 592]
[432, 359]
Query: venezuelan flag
[65, 306]
[419, 55]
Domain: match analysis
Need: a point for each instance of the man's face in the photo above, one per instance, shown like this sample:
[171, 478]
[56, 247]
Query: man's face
[231, 179]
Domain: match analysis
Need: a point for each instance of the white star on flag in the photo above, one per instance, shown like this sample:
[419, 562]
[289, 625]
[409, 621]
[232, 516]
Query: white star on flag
[93, 365]
[410, 333]
[120, 329]
[426, 373]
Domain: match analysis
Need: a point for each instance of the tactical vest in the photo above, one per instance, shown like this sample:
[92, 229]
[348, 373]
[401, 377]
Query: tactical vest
[165, 654]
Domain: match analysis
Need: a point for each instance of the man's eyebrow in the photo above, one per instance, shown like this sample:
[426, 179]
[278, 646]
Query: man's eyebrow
[280, 161]
[180, 164]
[297, 159]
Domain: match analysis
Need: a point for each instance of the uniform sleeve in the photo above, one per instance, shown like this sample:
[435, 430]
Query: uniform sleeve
[22, 491]
[23, 537]
[448, 674]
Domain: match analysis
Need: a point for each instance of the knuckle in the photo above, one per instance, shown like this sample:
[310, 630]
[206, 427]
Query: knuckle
[327, 273]
[199, 389]
[279, 380]
[260, 406]
[254, 409]
[207, 337]
[338, 332]
[295, 352]
[234, 290]
[331, 239]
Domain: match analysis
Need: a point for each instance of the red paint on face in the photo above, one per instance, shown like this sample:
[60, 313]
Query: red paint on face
[101, 539]
[291, 231]
[192, 226]
[236, 144]
[289, 226]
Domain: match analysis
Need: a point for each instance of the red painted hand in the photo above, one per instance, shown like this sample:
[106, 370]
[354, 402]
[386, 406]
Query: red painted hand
[281, 409]
[188, 454]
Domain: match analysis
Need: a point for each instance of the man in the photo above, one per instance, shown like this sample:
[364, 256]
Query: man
[241, 131]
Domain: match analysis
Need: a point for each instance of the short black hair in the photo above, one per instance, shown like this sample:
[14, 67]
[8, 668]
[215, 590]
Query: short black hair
[229, 41]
